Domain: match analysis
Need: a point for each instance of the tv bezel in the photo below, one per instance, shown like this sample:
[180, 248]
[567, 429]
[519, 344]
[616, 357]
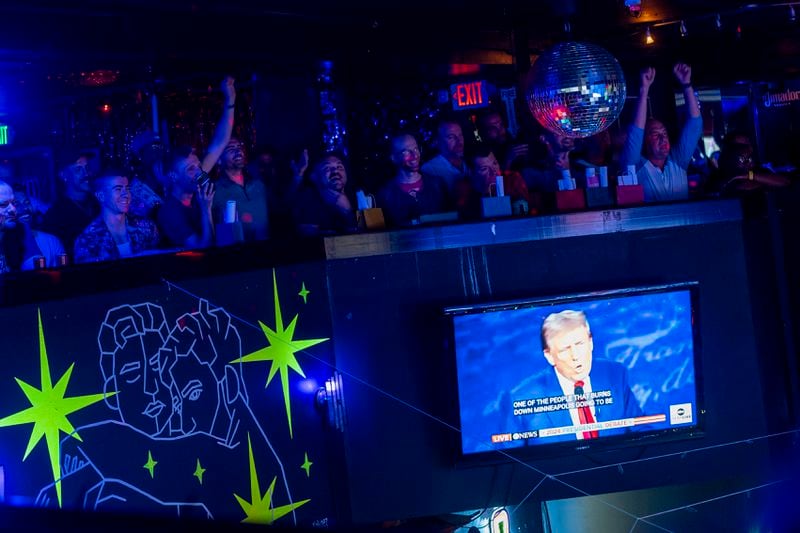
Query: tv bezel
[555, 449]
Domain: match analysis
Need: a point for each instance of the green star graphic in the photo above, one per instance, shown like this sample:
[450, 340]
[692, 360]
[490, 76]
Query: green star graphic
[150, 465]
[307, 466]
[281, 350]
[198, 472]
[48, 411]
[304, 293]
[259, 509]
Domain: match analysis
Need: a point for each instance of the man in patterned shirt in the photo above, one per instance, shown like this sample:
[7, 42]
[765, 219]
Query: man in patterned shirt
[114, 234]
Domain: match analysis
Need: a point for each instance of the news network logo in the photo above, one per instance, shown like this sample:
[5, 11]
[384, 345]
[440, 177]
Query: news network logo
[680, 413]
[509, 437]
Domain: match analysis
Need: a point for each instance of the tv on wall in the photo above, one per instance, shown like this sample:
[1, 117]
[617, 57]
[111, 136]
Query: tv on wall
[580, 371]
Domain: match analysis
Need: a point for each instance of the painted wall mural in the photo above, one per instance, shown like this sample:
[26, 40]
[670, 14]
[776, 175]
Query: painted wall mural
[186, 400]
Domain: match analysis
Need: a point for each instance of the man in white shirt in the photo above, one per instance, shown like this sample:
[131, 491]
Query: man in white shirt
[449, 164]
[662, 169]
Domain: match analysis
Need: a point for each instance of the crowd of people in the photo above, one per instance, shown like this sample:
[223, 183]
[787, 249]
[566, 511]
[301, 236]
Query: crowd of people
[103, 213]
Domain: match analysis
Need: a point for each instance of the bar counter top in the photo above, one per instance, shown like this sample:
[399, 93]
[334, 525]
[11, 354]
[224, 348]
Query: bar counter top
[522, 229]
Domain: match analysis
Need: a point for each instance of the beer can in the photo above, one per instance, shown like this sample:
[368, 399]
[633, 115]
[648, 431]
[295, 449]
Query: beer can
[63, 260]
[39, 262]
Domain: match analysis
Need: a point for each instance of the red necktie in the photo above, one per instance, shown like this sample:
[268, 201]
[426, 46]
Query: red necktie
[585, 412]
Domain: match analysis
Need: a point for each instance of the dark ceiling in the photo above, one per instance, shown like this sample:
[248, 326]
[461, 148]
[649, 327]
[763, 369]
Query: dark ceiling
[196, 35]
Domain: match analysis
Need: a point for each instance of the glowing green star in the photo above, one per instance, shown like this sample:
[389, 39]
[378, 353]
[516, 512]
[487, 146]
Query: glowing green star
[198, 472]
[259, 509]
[304, 293]
[48, 411]
[307, 465]
[280, 351]
[150, 465]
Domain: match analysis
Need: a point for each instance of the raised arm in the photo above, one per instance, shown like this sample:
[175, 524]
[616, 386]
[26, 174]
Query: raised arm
[693, 128]
[756, 179]
[632, 151]
[646, 77]
[299, 168]
[683, 73]
[222, 133]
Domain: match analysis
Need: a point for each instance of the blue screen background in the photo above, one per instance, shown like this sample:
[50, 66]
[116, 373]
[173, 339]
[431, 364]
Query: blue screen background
[650, 334]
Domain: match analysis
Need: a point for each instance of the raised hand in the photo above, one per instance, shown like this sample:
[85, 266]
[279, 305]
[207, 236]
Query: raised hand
[229, 90]
[299, 167]
[647, 76]
[683, 73]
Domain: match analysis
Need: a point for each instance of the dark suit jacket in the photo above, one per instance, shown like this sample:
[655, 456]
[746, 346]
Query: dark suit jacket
[605, 375]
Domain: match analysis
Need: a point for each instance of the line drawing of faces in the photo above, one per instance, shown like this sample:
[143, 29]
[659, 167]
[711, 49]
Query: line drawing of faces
[130, 341]
[194, 363]
[172, 385]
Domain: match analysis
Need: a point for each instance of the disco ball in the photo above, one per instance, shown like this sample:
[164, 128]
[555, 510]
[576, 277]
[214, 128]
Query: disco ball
[576, 89]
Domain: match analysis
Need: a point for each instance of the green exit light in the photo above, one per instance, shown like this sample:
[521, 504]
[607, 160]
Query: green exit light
[3, 134]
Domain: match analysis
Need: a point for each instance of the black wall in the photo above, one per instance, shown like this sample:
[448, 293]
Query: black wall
[389, 330]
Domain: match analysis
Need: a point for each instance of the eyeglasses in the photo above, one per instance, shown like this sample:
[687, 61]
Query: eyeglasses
[4, 205]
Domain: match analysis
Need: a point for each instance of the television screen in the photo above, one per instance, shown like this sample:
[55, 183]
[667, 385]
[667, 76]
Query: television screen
[577, 371]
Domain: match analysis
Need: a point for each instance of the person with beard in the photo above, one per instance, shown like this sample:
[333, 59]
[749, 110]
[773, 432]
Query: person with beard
[31, 209]
[76, 207]
[410, 193]
[114, 234]
[510, 154]
[323, 207]
[249, 194]
[662, 169]
[19, 244]
[186, 218]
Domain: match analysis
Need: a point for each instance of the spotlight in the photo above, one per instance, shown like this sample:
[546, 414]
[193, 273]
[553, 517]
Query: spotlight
[792, 14]
[718, 22]
[648, 36]
[684, 33]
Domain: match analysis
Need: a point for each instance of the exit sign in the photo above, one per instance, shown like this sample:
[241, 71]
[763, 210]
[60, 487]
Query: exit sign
[3, 134]
[469, 95]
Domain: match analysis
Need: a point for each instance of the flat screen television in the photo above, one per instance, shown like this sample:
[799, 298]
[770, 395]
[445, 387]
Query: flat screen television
[578, 371]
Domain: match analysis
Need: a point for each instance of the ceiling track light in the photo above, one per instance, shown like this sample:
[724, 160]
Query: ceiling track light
[792, 14]
[683, 30]
[718, 22]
